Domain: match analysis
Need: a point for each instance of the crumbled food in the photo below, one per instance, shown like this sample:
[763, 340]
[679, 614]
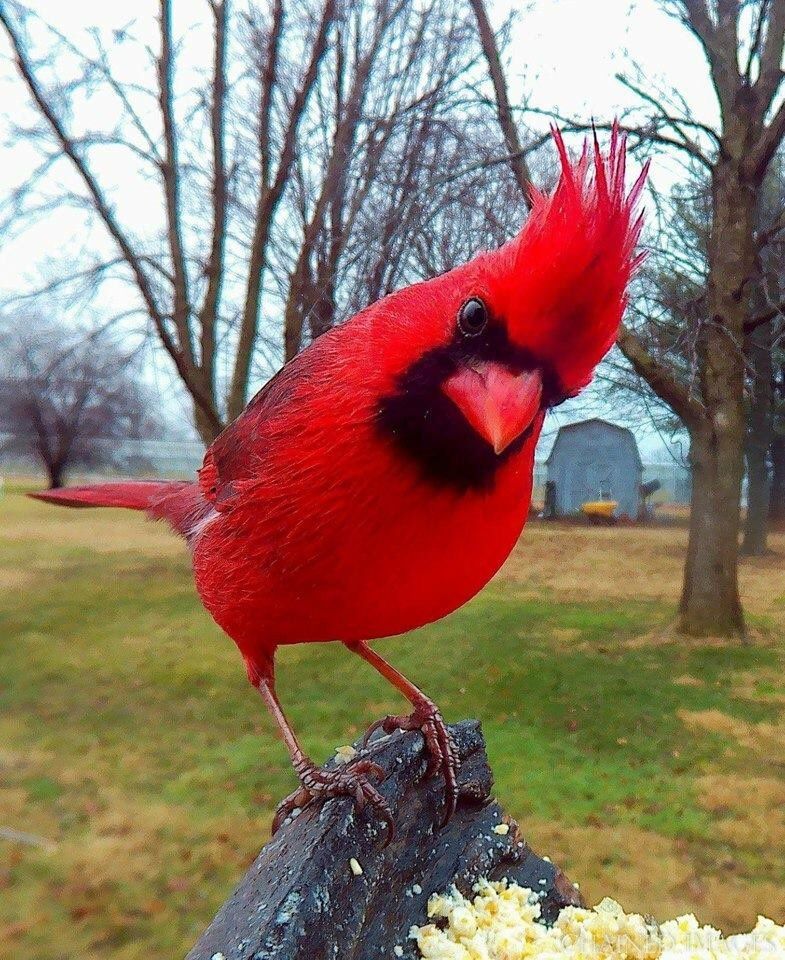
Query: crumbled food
[502, 922]
[398, 950]
[355, 867]
[502, 829]
[345, 754]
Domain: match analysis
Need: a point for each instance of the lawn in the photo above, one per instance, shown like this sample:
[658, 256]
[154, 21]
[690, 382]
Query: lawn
[652, 770]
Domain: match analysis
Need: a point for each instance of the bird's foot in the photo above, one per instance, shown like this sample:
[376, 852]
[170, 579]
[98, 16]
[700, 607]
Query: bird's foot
[351, 780]
[442, 752]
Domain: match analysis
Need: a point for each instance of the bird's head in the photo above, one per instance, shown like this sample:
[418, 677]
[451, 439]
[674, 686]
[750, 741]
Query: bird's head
[479, 354]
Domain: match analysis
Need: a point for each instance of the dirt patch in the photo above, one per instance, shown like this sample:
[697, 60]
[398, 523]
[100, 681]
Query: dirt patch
[733, 793]
[767, 740]
[654, 875]
[762, 686]
[750, 810]
[685, 680]
[617, 563]
[668, 635]
[11, 579]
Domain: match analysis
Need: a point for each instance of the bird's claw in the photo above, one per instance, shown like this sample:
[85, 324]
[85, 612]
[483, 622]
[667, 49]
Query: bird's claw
[442, 752]
[352, 780]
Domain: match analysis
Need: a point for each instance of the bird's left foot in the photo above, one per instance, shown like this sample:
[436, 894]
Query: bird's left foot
[351, 780]
[442, 752]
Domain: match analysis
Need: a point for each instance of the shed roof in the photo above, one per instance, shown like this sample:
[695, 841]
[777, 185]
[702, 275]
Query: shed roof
[622, 431]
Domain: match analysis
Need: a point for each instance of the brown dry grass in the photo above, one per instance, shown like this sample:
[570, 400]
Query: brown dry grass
[618, 563]
[655, 875]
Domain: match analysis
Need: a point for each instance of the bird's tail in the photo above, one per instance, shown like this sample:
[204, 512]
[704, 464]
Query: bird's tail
[179, 502]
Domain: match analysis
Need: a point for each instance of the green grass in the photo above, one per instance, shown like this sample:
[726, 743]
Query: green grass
[130, 738]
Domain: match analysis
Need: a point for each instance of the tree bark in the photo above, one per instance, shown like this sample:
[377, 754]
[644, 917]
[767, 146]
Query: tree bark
[55, 473]
[777, 497]
[507, 124]
[759, 436]
[710, 601]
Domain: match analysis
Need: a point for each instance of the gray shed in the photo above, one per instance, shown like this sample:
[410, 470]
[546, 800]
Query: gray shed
[595, 460]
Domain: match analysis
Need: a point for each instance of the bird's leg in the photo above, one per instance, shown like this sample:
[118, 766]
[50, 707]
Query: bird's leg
[425, 717]
[351, 780]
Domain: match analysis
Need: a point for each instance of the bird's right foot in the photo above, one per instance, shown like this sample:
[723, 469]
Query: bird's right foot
[350, 780]
[440, 748]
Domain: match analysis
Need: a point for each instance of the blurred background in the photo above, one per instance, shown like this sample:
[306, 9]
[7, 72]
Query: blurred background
[191, 191]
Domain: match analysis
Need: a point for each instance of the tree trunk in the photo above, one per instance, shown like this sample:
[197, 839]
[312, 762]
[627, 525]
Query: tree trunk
[56, 474]
[777, 496]
[207, 427]
[755, 542]
[710, 603]
[759, 431]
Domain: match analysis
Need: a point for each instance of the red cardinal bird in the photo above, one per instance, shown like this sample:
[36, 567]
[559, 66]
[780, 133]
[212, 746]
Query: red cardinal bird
[383, 476]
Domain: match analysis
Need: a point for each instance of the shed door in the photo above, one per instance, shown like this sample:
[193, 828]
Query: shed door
[592, 479]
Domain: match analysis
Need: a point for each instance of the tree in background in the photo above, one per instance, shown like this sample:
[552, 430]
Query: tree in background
[67, 401]
[290, 180]
[742, 44]
[777, 495]
[764, 334]
[667, 306]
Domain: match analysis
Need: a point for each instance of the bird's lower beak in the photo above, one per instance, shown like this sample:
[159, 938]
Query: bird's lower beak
[497, 403]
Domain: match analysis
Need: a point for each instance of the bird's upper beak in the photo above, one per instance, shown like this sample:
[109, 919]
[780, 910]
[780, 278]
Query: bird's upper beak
[496, 402]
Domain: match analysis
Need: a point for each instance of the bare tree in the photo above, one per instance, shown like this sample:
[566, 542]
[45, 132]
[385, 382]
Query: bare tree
[777, 492]
[196, 144]
[67, 400]
[742, 43]
[764, 342]
[391, 81]
[287, 174]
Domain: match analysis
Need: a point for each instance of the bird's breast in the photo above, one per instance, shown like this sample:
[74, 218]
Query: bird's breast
[366, 548]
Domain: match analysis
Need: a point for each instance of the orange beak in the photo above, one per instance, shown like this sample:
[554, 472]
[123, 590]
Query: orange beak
[497, 403]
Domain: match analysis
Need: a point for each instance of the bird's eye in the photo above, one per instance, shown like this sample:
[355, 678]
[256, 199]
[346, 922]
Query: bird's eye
[472, 317]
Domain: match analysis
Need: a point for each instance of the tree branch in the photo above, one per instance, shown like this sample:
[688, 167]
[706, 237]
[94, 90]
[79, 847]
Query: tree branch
[770, 74]
[269, 198]
[170, 172]
[757, 161]
[517, 156]
[720, 45]
[659, 376]
[105, 213]
[214, 268]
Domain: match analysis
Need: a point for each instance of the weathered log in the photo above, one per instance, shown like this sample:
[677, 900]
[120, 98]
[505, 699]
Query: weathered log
[301, 899]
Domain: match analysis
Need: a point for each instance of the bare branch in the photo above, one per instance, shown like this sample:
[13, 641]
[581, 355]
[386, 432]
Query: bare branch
[757, 161]
[171, 178]
[659, 376]
[214, 268]
[506, 122]
[772, 13]
[269, 198]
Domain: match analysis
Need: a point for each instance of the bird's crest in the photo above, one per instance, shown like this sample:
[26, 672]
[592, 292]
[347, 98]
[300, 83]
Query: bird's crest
[572, 261]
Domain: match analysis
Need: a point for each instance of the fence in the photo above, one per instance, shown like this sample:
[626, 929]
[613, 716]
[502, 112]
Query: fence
[182, 458]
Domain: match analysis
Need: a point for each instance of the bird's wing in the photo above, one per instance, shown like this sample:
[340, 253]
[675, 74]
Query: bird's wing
[235, 459]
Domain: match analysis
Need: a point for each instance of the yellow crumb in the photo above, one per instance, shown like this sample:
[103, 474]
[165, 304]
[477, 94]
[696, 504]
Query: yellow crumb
[345, 754]
[502, 828]
[355, 867]
[502, 923]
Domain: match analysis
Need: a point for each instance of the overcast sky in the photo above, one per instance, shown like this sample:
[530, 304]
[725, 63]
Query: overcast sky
[564, 55]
